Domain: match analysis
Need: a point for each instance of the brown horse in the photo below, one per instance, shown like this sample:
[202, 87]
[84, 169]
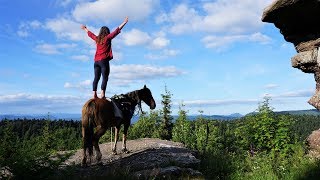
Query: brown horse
[99, 114]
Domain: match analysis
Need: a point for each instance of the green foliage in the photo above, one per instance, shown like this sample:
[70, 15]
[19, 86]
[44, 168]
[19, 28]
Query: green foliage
[201, 132]
[166, 124]
[266, 131]
[145, 127]
[28, 154]
[8, 145]
[182, 130]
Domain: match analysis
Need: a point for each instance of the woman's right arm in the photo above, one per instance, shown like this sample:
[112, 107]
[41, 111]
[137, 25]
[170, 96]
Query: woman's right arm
[124, 23]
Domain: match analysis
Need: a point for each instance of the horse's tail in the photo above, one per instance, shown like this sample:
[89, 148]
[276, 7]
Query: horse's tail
[88, 116]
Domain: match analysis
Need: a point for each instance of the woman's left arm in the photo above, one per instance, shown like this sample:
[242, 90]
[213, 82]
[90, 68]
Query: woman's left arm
[90, 34]
[84, 27]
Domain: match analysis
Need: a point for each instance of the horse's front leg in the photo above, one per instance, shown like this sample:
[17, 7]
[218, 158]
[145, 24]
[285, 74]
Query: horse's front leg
[124, 139]
[116, 137]
[99, 132]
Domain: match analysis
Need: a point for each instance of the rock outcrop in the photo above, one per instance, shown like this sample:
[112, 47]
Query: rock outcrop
[313, 142]
[148, 159]
[297, 21]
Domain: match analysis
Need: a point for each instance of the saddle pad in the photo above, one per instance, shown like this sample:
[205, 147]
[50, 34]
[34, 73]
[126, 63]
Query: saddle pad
[117, 111]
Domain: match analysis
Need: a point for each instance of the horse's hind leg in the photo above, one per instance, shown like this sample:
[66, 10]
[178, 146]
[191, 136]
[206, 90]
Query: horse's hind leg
[99, 132]
[84, 155]
[116, 137]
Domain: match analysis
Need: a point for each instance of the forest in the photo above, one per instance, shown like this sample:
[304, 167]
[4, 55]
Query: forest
[261, 145]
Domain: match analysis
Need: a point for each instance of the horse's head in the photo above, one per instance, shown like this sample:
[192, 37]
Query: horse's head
[146, 96]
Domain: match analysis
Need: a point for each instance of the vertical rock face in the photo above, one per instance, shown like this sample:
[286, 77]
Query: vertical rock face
[298, 23]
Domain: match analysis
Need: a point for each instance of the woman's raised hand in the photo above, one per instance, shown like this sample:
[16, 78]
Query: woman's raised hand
[126, 19]
[83, 27]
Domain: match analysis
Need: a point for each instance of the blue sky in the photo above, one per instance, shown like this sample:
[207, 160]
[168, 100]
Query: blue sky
[214, 56]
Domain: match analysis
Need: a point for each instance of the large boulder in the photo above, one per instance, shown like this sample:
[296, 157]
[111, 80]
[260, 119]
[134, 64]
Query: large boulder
[297, 21]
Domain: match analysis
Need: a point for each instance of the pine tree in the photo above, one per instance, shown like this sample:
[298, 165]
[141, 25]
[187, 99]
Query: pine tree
[179, 132]
[166, 125]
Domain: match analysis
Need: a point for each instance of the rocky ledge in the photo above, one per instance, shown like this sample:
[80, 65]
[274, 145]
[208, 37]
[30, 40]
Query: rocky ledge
[148, 159]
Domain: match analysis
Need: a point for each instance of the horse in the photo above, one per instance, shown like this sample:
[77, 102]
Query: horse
[99, 114]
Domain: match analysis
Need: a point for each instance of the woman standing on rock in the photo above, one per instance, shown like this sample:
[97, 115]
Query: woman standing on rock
[103, 55]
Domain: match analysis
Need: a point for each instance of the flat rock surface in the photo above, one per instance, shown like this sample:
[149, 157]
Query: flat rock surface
[148, 158]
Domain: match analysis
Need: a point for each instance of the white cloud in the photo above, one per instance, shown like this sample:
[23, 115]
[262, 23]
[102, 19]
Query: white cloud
[25, 27]
[140, 72]
[86, 84]
[127, 74]
[182, 19]
[221, 16]
[136, 37]
[67, 29]
[227, 22]
[106, 11]
[83, 58]
[124, 75]
[159, 42]
[223, 42]
[35, 24]
[234, 16]
[293, 94]
[39, 103]
[166, 53]
[51, 49]
[64, 3]
[271, 86]
[22, 33]
[201, 103]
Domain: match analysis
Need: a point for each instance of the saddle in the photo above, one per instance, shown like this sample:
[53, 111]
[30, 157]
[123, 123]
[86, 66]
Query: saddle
[122, 106]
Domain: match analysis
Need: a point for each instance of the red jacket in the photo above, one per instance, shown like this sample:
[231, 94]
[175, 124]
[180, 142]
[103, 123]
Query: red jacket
[104, 50]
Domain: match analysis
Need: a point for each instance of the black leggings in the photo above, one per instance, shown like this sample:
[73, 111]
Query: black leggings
[101, 67]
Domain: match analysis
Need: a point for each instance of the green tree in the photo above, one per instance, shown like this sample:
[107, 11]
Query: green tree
[145, 127]
[8, 145]
[266, 131]
[166, 125]
[182, 131]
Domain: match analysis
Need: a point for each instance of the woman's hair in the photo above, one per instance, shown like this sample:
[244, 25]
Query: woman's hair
[104, 31]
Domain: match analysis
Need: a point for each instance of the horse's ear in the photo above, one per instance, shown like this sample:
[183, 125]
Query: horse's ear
[144, 87]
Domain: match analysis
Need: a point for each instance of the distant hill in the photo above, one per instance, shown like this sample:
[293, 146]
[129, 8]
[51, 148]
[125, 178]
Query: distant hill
[77, 117]
[216, 117]
[314, 112]
[66, 116]
[52, 116]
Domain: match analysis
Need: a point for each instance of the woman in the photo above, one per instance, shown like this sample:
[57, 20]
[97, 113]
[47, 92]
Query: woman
[103, 55]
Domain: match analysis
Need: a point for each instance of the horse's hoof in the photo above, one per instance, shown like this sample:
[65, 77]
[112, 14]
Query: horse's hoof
[114, 152]
[98, 157]
[125, 151]
[84, 165]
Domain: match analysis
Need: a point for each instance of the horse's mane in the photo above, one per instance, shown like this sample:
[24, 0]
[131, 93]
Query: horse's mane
[132, 96]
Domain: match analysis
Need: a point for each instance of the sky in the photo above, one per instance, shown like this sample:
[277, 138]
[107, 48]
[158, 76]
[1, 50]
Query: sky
[215, 56]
